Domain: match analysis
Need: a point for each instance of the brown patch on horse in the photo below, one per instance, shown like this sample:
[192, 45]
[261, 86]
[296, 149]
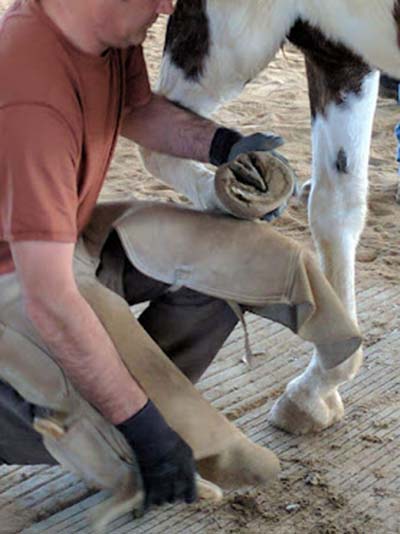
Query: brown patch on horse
[341, 161]
[333, 71]
[188, 37]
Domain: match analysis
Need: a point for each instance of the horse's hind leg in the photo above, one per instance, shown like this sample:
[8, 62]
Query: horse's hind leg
[343, 96]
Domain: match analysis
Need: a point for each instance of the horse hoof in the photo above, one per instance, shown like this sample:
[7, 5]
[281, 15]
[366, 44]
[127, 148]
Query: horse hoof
[311, 415]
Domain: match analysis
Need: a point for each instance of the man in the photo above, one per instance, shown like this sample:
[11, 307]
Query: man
[73, 77]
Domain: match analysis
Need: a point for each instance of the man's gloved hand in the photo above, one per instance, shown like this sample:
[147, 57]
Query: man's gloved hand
[249, 185]
[227, 144]
[166, 462]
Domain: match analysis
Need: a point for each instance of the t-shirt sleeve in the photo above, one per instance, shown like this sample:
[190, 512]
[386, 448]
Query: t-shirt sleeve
[137, 90]
[39, 158]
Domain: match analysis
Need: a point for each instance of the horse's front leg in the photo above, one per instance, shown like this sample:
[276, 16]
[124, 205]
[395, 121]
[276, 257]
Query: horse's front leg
[343, 105]
[192, 179]
[212, 50]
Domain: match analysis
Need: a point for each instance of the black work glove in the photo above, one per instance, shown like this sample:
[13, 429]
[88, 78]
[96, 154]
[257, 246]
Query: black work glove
[166, 462]
[227, 144]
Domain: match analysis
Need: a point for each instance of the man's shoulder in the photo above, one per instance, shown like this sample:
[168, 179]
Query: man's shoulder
[34, 66]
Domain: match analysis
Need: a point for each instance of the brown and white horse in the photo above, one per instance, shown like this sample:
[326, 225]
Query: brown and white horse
[213, 48]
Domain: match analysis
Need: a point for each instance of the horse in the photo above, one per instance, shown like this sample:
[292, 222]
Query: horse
[212, 49]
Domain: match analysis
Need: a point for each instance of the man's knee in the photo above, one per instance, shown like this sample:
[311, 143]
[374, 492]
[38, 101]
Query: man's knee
[118, 274]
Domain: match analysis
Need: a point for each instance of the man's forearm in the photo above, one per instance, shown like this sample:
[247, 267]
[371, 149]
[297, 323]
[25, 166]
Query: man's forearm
[78, 341]
[167, 128]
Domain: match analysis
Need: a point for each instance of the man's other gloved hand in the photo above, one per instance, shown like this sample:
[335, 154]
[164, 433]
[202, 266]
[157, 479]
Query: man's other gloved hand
[166, 462]
[227, 144]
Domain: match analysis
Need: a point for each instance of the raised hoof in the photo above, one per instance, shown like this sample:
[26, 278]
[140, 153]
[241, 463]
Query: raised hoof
[316, 416]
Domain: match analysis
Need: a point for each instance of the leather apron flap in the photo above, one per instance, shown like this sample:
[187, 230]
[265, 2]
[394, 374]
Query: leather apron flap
[241, 261]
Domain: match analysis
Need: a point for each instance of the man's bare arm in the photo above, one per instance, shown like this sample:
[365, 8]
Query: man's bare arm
[72, 331]
[167, 128]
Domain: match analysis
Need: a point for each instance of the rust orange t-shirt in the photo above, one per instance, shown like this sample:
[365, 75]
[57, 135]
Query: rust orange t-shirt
[60, 115]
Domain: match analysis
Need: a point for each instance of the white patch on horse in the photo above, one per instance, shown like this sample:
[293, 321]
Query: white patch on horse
[337, 207]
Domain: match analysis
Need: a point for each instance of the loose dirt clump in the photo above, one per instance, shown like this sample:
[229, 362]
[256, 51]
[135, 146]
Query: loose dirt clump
[302, 501]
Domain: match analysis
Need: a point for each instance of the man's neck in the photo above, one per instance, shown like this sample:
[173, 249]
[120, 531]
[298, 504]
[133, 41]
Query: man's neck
[73, 20]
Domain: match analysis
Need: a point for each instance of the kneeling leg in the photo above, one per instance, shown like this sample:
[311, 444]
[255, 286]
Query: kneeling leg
[190, 328]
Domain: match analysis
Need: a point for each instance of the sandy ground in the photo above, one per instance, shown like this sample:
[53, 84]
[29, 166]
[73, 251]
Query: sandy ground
[277, 100]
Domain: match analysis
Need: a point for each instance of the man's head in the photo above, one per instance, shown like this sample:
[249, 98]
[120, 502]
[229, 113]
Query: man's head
[95, 25]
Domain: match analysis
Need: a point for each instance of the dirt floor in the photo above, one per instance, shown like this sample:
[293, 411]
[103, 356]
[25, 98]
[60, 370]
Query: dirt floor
[346, 480]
